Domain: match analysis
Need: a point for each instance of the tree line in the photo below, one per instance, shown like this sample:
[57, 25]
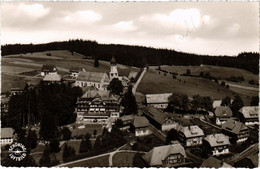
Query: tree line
[138, 56]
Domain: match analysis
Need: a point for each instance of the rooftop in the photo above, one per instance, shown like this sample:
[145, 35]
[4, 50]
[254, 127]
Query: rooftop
[158, 154]
[223, 111]
[6, 132]
[217, 139]
[234, 126]
[157, 98]
[140, 121]
[93, 77]
[52, 78]
[212, 162]
[249, 111]
[48, 68]
[191, 131]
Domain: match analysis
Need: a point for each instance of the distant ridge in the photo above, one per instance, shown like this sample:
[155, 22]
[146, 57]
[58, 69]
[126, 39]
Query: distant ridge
[138, 56]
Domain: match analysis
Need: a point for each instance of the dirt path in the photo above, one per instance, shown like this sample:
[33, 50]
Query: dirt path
[138, 81]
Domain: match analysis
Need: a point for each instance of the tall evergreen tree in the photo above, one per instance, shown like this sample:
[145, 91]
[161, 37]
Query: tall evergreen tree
[129, 102]
[45, 159]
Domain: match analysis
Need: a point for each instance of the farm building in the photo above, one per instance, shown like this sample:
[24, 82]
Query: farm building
[48, 69]
[249, 115]
[166, 156]
[158, 100]
[236, 130]
[217, 143]
[161, 120]
[222, 114]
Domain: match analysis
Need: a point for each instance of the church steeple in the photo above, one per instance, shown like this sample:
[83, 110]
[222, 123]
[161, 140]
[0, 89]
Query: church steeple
[113, 61]
[113, 69]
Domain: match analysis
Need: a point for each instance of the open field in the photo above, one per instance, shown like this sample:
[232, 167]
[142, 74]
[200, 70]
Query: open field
[14, 66]
[96, 162]
[128, 159]
[186, 85]
[216, 71]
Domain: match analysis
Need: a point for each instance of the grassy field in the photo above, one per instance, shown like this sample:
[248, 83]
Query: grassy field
[89, 128]
[216, 71]
[127, 159]
[186, 85]
[97, 162]
[24, 66]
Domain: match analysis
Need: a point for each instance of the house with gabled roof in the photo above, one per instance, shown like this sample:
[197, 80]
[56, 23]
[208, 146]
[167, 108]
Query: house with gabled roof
[217, 143]
[159, 119]
[74, 71]
[190, 135]
[236, 130]
[222, 114]
[97, 79]
[48, 69]
[7, 136]
[96, 106]
[166, 156]
[251, 161]
[158, 100]
[141, 126]
[249, 115]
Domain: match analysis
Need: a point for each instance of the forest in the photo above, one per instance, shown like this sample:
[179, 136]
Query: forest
[138, 56]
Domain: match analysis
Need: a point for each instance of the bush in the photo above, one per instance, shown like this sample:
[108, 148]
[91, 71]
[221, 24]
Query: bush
[252, 82]
[54, 146]
[66, 133]
[223, 84]
[227, 86]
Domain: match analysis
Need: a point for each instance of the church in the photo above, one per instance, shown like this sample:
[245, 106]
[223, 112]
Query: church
[100, 80]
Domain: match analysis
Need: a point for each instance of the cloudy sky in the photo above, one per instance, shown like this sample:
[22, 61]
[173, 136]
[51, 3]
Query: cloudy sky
[214, 28]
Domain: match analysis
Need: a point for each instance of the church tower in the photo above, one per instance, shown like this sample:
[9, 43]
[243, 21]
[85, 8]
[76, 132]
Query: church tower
[113, 69]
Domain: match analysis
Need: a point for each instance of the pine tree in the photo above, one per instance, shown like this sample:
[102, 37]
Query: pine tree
[85, 145]
[67, 152]
[96, 63]
[45, 159]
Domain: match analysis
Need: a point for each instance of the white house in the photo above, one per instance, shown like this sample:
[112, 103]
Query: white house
[48, 69]
[141, 125]
[190, 135]
[218, 143]
[7, 136]
[249, 115]
[222, 114]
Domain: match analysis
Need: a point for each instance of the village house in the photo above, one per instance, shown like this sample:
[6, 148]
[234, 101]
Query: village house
[52, 78]
[141, 126]
[217, 103]
[166, 156]
[236, 130]
[249, 115]
[74, 71]
[158, 100]
[217, 143]
[190, 135]
[212, 162]
[159, 119]
[222, 114]
[96, 106]
[7, 136]
[48, 69]
[96, 79]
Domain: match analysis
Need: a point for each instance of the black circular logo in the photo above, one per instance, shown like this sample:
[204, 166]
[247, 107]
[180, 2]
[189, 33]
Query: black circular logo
[17, 151]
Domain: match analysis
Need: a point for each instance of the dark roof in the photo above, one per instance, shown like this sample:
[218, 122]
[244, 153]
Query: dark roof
[215, 163]
[113, 60]
[234, 126]
[156, 156]
[48, 68]
[140, 121]
[223, 111]
[156, 114]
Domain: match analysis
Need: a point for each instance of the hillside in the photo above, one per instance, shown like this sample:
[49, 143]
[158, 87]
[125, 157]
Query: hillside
[139, 56]
[26, 67]
[190, 85]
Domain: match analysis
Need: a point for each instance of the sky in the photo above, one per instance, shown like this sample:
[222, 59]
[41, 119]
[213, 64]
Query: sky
[213, 28]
